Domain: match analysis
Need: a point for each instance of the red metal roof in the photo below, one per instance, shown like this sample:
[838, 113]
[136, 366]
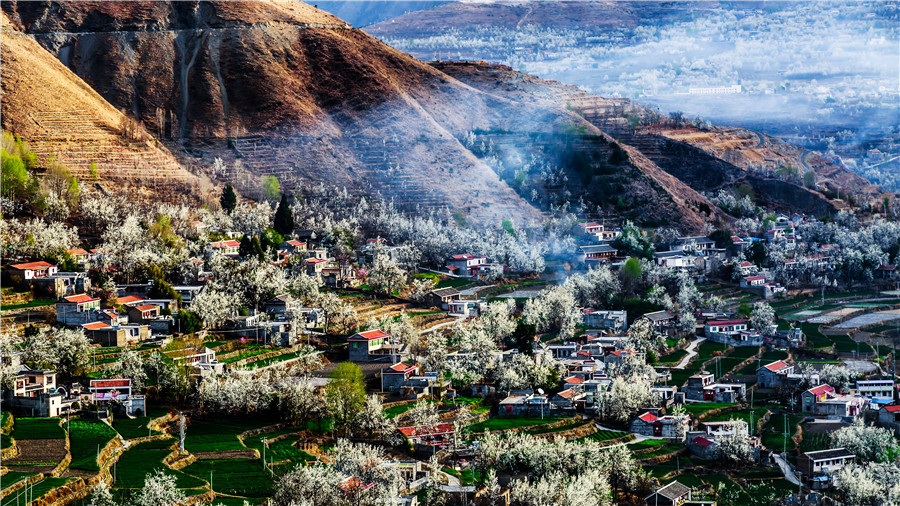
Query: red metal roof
[77, 251]
[726, 322]
[426, 431]
[95, 325]
[754, 278]
[776, 366]
[368, 335]
[146, 307]
[648, 417]
[821, 389]
[573, 380]
[296, 243]
[702, 441]
[401, 367]
[80, 298]
[225, 244]
[31, 265]
[128, 299]
[893, 409]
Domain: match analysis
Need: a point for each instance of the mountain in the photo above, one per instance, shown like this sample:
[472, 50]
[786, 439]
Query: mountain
[58, 113]
[284, 89]
[365, 13]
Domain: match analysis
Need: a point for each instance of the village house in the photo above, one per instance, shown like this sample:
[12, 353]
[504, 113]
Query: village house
[598, 253]
[281, 306]
[700, 387]
[886, 271]
[119, 335]
[292, 247]
[129, 300]
[111, 317]
[773, 375]
[428, 438]
[61, 284]
[569, 399]
[187, 292]
[751, 281]
[79, 255]
[822, 400]
[201, 358]
[650, 423]
[531, 404]
[77, 309]
[105, 392]
[372, 345]
[823, 462]
[693, 244]
[143, 314]
[616, 321]
[600, 232]
[229, 247]
[673, 494]
[20, 273]
[889, 418]
[315, 266]
[662, 321]
[441, 297]
[464, 307]
[393, 377]
[465, 265]
[35, 392]
[676, 260]
[880, 390]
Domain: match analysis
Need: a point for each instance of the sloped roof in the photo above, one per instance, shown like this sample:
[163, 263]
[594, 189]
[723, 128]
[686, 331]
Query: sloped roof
[776, 366]
[648, 417]
[369, 334]
[445, 292]
[95, 325]
[31, 265]
[146, 307]
[128, 299]
[83, 297]
[821, 389]
[702, 441]
[673, 490]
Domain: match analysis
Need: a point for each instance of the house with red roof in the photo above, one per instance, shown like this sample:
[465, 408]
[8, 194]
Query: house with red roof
[130, 300]
[117, 334]
[752, 281]
[20, 273]
[472, 266]
[653, 423]
[428, 437]
[823, 400]
[116, 391]
[77, 309]
[292, 247]
[886, 271]
[774, 374]
[393, 377]
[372, 345]
[143, 313]
[229, 247]
[889, 417]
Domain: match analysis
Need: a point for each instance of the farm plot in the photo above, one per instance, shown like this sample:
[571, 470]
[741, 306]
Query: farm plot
[748, 415]
[218, 435]
[37, 428]
[37, 490]
[773, 432]
[498, 424]
[144, 458]
[86, 439]
[697, 410]
[243, 477]
[131, 428]
[867, 319]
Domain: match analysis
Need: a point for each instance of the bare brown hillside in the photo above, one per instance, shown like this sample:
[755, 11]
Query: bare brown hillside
[59, 113]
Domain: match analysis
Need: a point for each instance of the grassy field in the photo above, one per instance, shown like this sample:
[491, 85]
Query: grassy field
[218, 435]
[814, 442]
[244, 477]
[37, 428]
[605, 435]
[13, 477]
[495, 424]
[561, 428]
[34, 303]
[673, 358]
[85, 437]
[398, 410]
[272, 360]
[745, 414]
[141, 459]
[698, 409]
[37, 490]
[773, 432]
[131, 428]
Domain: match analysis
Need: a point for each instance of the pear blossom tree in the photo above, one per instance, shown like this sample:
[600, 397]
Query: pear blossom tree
[160, 489]
[762, 316]
[867, 442]
[625, 397]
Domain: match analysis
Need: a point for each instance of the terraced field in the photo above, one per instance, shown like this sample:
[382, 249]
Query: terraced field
[243, 477]
[218, 435]
[131, 428]
[41, 443]
[87, 439]
[36, 491]
[144, 458]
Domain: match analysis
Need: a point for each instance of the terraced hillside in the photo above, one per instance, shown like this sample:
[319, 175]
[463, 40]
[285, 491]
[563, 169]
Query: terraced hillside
[59, 114]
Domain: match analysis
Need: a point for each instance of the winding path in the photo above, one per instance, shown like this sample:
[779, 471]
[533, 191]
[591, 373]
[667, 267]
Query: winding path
[789, 474]
[692, 352]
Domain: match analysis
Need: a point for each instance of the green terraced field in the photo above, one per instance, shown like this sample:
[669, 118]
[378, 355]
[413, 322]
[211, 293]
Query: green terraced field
[37, 428]
[496, 424]
[85, 438]
[37, 490]
[244, 477]
[218, 435]
[773, 432]
[141, 459]
[131, 428]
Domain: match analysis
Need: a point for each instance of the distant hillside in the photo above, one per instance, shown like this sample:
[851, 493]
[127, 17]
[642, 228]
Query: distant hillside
[59, 113]
[363, 13]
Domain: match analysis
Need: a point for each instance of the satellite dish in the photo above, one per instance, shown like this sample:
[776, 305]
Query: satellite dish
[541, 391]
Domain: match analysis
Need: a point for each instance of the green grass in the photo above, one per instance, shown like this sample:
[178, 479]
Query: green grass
[497, 424]
[144, 458]
[465, 476]
[729, 487]
[37, 428]
[561, 428]
[814, 442]
[244, 477]
[605, 435]
[745, 414]
[699, 409]
[272, 360]
[773, 432]
[34, 303]
[395, 411]
[453, 283]
[131, 428]
[5, 441]
[673, 358]
[646, 444]
[85, 437]
[13, 477]
[245, 354]
[218, 435]
[37, 490]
